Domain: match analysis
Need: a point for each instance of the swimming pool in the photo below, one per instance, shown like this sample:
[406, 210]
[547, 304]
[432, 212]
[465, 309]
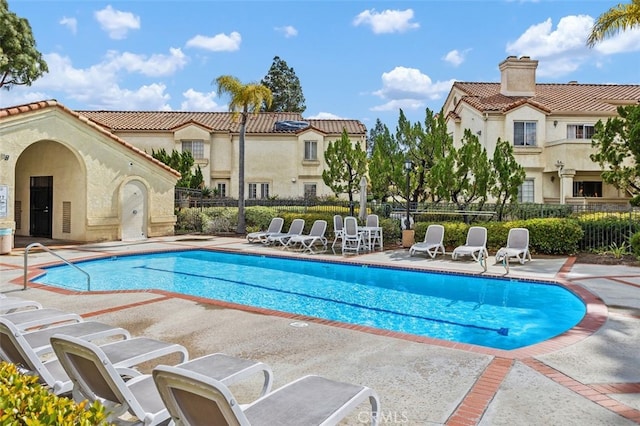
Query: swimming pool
[498, 313]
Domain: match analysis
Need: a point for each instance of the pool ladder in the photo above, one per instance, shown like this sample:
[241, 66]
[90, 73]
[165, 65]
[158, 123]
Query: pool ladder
[47, 249]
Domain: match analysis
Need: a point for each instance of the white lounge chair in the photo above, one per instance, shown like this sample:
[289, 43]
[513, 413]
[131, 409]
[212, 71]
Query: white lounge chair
[10, 304]
[309, 242]
[195, 399]
[296, 228]
[39, 341]
[275, 227]
[517, 246]
[352, 238]
[125, 354]
[96, 378]
[475, 245]
[40, 318]
[338, 226]
[433, 242]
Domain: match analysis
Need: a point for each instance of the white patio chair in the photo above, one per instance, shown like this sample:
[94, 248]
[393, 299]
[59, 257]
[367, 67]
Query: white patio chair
[352, 238]
[433, 242]
[275, 227]
[309, 242]
[296, 228]
[475, 245]
[195, 399]
[338, 225]
[517, 246]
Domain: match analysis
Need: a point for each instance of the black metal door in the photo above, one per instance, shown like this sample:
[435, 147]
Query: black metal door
[41, 206]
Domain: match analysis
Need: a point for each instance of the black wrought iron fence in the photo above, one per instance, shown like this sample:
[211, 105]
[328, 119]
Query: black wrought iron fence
[604, 225]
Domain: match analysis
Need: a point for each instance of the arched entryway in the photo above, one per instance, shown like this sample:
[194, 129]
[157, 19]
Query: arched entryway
[50, 192]
[134, 211]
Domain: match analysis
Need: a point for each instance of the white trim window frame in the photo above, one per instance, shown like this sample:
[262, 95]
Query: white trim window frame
[526, 191]
[195, 147]
[310, 190]
[525, 133]
[310, 150]
[258, 190]
[580, 131]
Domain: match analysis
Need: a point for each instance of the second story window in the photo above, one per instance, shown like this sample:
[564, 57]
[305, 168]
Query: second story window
[580, 131]
[196, 148]
[524, 133]
[310, 150]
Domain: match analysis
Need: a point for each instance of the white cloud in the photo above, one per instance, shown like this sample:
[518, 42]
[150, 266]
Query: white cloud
[324, 116]
[288, 31]
[155, 65]
[388, 21]
[404, 104]
[455, 57]
[71, 23]
[94, 87]
[410, 88]
[116, 23]
[217, 43]
[541, 41]
[625, 41]
[199, 101]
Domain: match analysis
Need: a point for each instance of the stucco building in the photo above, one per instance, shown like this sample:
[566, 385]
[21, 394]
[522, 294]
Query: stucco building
[284, 154]
[550, 126]
[64, 177]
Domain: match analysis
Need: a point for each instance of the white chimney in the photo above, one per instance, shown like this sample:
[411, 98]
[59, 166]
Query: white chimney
[518, 76]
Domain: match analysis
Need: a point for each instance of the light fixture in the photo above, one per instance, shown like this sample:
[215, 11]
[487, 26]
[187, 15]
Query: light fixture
[479, 132]
[555, 123]
[4, 157]
[408, 165]
[559, 166]
[293, 180]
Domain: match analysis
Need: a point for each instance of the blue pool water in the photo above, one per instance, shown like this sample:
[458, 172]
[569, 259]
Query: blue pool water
[498, 313]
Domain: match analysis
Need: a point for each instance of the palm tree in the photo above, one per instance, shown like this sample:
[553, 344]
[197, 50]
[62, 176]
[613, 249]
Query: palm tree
[618, 18]
[245, 99]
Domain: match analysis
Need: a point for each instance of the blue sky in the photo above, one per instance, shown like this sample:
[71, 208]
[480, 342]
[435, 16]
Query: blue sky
[355, 59]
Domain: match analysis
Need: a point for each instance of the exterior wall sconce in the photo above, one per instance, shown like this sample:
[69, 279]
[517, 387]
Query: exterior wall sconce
[293, 180]
[560, 167]
[555, 123]
[4, 157]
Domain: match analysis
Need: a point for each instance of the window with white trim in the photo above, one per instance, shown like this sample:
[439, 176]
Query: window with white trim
[195, 147]
[258, 190]
[310, 190]
[580, 131]
[310, 150]
[524, 133]
[222, 189]
[525, 192]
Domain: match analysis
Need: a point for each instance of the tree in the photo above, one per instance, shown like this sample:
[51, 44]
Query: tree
[245, 99]
[377, 130]
[182, 162]
[385, 166]
[285, 87]
[619, 18]
[509, 175]
[618, 150]
[465, 173]
[20, 62]
[346, 165]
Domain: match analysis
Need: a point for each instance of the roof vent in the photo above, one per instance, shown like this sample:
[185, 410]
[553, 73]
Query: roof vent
[290, 125]
[573, 82]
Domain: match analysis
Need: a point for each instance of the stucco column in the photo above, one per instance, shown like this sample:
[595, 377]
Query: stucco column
[566, 184]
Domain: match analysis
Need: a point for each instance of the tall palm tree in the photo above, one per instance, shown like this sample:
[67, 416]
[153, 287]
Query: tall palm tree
[618, 18]
[245, 99]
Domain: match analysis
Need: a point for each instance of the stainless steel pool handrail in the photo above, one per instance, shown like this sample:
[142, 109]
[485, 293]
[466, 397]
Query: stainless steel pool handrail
[47, 249]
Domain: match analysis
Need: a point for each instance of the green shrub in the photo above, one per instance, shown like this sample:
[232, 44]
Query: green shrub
[258, 218]
[634, 242]
[23, 401]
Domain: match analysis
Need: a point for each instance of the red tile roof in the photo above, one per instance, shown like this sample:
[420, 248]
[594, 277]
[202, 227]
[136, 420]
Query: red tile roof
[216, 121]
[19, 109]
[553, 98]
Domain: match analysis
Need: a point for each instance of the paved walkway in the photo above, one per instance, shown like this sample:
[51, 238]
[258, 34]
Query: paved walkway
[588, 376]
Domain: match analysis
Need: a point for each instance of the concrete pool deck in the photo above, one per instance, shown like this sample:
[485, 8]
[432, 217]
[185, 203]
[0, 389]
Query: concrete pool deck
[589, 375]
